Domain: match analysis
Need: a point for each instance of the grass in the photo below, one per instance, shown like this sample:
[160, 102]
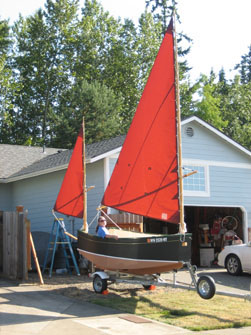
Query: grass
[181, 308]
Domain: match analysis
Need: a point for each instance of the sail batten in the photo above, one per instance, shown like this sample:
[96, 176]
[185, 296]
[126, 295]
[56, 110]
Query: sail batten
[145, 178]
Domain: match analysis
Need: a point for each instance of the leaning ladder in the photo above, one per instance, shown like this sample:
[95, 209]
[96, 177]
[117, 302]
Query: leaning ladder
[62, 239]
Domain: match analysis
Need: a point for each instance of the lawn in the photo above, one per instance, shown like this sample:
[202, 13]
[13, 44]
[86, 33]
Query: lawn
[180, 308]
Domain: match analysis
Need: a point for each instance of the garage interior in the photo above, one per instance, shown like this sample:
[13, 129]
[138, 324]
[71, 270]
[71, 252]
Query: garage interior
[208, 226]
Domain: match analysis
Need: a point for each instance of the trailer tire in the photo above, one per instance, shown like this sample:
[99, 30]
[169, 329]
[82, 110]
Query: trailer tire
[99, 284]
[206, 287]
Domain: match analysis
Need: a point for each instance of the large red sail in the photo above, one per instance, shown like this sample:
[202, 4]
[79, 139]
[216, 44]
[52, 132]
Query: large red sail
[145, 178]
[70, 197]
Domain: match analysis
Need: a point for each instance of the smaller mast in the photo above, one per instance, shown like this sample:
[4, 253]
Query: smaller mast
[181, 197]
[85, 227]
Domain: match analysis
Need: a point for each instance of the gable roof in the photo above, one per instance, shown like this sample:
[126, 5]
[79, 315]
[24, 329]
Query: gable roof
[217, 132]
[20, 162]
[55, 159]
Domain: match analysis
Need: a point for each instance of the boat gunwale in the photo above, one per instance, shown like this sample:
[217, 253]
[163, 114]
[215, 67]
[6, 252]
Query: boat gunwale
[133, 240]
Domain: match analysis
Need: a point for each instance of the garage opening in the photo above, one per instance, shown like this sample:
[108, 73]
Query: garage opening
[208, 226]
[212, 228]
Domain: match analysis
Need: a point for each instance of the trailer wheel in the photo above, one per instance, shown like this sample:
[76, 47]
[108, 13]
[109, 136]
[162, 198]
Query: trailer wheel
[206, 287]
[99, 284]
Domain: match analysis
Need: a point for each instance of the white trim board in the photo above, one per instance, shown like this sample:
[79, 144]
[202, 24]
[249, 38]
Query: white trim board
[187, 161]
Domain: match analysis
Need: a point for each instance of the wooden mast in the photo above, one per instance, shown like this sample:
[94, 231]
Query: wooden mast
[85, 227]
[181, 197]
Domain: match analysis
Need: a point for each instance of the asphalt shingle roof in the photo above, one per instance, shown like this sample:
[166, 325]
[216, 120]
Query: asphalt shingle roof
[13, 158]
[17, 161]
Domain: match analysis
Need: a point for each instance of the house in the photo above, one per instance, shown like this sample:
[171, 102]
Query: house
[35, 185]
[220, 188]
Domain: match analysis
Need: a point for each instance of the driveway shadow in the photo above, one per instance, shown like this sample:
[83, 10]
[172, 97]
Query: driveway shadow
[20, 305]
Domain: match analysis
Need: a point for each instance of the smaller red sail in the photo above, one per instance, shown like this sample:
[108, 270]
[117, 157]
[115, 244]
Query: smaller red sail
[70, 198]
[145, 179]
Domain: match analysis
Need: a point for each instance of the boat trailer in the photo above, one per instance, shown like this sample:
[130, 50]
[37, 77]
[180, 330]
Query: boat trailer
[204, 285]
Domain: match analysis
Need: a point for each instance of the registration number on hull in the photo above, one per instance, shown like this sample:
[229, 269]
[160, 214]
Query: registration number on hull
[157, 240]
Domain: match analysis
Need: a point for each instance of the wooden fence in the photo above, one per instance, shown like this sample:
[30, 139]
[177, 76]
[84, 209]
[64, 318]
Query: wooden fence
[13, 242]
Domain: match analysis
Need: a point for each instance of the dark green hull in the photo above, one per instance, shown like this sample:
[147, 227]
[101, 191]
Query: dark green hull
[140, 255]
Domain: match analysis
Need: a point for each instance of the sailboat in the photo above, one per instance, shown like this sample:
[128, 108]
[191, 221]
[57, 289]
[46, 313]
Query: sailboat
[146, 180]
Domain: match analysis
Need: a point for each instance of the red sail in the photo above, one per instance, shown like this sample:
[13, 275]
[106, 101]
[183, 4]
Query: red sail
[145, 178]
[70, 197]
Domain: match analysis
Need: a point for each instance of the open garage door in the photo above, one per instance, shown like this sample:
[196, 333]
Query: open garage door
[210, 227]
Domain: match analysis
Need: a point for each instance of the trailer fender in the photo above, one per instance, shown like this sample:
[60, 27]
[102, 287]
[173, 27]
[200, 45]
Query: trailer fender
[101, 274]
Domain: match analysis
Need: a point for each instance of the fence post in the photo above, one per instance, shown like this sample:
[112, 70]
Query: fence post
[14, 246]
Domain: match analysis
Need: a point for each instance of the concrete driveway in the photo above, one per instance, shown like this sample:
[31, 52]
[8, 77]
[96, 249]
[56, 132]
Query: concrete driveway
[28, 310]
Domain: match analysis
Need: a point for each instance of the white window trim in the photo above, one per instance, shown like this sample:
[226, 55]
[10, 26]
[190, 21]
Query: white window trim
[106, 172]
[205, 193]
[107, 177]
[107, 169]
[235, 165]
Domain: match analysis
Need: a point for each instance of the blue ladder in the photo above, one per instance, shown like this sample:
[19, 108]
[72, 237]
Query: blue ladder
[62, 239]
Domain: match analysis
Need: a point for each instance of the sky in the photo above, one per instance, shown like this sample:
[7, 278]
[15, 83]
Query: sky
[220, 29]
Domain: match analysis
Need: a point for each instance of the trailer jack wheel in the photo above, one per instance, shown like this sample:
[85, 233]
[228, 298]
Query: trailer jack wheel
[206, 287]
[99, 284]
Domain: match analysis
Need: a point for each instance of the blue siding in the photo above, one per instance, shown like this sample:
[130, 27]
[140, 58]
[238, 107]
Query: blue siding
[205, 145]
[38, 195]
[229, 185]
[5, 197]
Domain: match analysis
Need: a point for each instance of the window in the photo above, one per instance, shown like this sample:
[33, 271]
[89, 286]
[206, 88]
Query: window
[196, 184]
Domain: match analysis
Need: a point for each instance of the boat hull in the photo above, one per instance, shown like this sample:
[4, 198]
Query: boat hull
[141, 255]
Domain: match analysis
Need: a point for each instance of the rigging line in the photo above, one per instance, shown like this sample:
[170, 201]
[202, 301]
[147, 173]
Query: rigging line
[167, 171]
[104, 213]
[146, 137]
[70, 201]
[93, 220]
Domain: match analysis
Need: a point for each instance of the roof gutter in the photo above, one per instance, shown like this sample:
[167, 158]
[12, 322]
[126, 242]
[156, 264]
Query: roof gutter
[33, 174]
